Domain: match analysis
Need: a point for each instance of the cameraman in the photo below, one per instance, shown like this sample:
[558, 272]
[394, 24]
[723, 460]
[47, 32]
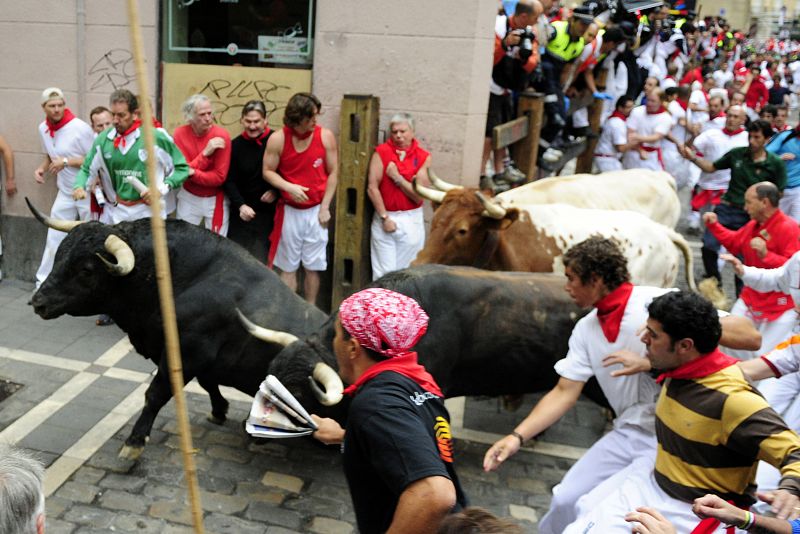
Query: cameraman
[515, 56]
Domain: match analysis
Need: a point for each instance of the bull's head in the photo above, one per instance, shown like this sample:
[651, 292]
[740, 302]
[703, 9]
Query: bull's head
[85, 266]
[463, 227]
[305, 367]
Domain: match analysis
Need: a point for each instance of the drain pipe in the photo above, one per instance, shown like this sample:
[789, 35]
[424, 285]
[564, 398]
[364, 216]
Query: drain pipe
[80, 11]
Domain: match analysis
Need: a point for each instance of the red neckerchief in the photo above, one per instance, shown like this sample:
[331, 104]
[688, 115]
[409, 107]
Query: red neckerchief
[611, 308]
[705, 365]
[120, 138]
[53, 127]
[662, 109]
[684, 105]
[298, 135]
[403, 153]
[257, 140]
[705, 95]
[156, 123]
[732, 133]
[721, 114]
[405, 364]
[618, 115]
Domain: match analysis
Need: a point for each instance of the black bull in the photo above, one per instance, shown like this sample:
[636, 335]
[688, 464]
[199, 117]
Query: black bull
[211, 277]
[490, 333]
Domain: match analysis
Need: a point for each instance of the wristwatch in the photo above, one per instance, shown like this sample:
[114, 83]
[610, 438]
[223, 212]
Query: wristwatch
[66, 162]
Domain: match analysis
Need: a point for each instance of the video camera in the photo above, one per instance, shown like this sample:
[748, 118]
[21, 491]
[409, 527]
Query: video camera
[526, 38]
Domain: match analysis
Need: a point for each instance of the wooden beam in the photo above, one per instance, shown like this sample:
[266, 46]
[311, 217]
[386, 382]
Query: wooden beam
[358, 137]
[525, 152]
[510, 132]
[584, 162]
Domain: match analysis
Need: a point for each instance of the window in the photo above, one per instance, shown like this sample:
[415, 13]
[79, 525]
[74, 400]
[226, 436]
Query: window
[267, 33]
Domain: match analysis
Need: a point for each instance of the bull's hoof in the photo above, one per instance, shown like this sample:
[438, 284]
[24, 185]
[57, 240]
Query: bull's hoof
[132, 451]
[216, 419]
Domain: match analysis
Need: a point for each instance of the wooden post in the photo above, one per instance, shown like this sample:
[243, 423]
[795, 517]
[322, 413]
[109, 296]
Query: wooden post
[584, 162]
[358, 137]
[525, 152]
[164, 277]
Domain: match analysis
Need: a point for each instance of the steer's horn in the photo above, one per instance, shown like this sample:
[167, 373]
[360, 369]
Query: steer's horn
[265, 334]
[440, 184]
[426, 192]
[55, 224]
[123, 254]
[491, 209]
[325, 375]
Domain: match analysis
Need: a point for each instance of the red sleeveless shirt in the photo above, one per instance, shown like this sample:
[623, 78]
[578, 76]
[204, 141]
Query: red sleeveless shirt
[307, 168]
[414, 158]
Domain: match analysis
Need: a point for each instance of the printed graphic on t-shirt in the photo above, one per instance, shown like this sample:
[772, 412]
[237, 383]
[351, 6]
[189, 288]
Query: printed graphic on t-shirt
[444, 439]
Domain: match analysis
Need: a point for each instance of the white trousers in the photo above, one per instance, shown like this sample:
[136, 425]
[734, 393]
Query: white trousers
[194, 209]
[637, 488]
[303, 240]
[68, 209]
[772, 332]
[609, 455]
[790, 202]
[396, 250]
[783, 394]
[606, 164]
[632, 160]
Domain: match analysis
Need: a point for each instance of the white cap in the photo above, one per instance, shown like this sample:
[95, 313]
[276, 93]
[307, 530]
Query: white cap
[50, 93]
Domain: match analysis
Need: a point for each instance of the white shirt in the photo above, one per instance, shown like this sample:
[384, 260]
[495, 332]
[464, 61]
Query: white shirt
[615, 132]
[678, 132]
[74, 139]
[700, 114]
[713, 144]
[721, 77]
[632, 397]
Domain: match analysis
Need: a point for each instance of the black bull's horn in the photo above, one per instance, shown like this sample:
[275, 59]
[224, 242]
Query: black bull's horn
[490, 208]
[331, 391]
[55, 224]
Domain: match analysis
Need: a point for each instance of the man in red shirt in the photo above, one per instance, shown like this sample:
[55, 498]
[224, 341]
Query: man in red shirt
[756, 94]
[207, 148]
[301, 161]
[767, 241]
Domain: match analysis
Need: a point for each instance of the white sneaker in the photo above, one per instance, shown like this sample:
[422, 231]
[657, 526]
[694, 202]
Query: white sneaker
[551, 155]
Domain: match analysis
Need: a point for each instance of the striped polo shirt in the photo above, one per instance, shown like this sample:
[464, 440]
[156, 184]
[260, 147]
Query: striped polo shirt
[711, 433]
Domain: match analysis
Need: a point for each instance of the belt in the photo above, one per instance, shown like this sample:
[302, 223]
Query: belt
[606, 156]
[129, 202]
[728, 203]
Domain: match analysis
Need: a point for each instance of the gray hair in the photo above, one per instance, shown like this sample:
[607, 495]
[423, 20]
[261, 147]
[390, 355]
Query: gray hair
[188, 107]
[21, 491]
[402, 117]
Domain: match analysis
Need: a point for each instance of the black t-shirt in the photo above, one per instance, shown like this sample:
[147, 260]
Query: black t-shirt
[397, 433]
[245, 183]
[777, 93]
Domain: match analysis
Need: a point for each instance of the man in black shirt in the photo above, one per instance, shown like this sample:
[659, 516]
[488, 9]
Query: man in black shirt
[398, 454]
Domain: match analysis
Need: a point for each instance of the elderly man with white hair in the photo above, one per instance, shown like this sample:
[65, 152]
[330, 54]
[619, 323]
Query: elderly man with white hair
[21, 492]
[398, 229]
[207, 148]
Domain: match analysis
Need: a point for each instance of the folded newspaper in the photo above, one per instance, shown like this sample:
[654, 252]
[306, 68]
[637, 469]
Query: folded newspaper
[276, 413]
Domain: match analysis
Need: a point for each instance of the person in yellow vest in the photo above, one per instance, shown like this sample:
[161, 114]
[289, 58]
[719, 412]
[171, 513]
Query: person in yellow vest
[564, 45]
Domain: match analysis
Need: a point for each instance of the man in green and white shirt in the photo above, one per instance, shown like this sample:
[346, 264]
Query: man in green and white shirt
[119, 156]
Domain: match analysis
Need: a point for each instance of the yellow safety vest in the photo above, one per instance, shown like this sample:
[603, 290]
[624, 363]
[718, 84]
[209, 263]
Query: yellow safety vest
[562, 46]
[679, 23]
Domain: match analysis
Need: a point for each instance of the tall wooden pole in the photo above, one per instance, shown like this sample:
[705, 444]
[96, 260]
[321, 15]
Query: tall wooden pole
[163, 273]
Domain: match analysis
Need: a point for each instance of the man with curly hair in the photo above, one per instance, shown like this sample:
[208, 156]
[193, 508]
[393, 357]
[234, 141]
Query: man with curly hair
[597, 277]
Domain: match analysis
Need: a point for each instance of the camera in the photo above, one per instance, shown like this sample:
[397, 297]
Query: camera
[526, 38]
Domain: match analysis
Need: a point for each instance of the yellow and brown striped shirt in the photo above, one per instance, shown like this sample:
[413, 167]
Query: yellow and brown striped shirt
[711, 433]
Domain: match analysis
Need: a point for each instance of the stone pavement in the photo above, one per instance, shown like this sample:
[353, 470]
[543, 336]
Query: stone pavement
[82, 387]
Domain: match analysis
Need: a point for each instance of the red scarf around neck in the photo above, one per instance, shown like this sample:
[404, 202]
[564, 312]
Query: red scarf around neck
[681, 103]
[705, 365]
[53, 127]
[406, 365]
[259, 140]
[611, 308]
[618, 115]
[662, 109]
[120, 138]
[403, 153]
[301, 136]
[732, 133]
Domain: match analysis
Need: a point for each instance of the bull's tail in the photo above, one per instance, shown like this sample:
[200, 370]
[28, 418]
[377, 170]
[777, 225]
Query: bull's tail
[688, 258]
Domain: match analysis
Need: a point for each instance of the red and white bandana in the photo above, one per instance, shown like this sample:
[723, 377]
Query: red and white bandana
[384, 321]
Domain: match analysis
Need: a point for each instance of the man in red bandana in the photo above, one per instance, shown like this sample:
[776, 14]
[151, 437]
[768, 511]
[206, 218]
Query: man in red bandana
[712, 424]
[65, 140]
[207, 149]
[398, 228]
[397, 448]
[648, 125]
[597, 277]
[301, 161]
